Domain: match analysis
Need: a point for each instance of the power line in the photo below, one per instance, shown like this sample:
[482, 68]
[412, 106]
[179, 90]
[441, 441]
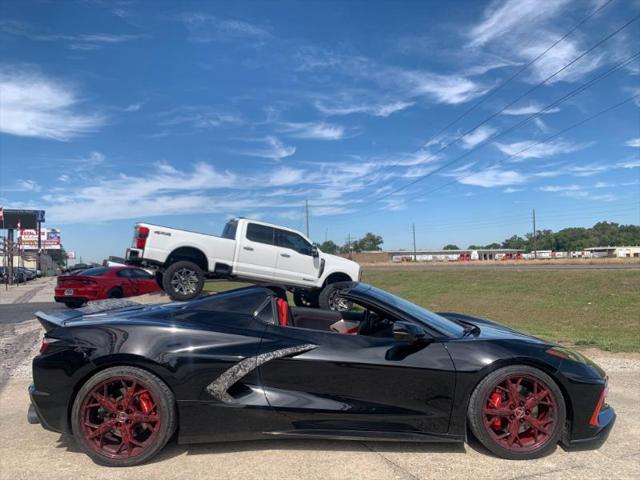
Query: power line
[512, 77]
[544, 140]
[495, 114]
[499, 134]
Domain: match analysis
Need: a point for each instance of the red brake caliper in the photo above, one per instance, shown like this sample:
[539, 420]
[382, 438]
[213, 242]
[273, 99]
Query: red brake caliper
[496, 402]
[145, 402]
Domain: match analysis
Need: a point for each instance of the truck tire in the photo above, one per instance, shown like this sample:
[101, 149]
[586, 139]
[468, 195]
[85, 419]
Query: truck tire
[330, 300]
[305, 298]
[183, 280]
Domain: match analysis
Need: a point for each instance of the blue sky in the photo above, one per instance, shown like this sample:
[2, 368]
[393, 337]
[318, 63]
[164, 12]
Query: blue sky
[185, 114]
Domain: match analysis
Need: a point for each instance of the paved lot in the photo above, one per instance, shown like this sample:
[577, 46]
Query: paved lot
[28, 451]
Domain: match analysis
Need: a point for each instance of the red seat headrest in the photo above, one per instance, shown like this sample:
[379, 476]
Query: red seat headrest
[283, 312]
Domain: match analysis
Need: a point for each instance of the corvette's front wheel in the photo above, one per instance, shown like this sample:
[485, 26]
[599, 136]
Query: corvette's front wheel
[123, 416]
[517, 412]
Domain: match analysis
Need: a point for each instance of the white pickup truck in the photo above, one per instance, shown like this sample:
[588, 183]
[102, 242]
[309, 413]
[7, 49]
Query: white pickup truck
[247, 250]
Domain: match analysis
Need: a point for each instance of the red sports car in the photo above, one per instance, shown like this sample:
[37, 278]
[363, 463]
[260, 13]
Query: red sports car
[103, 282]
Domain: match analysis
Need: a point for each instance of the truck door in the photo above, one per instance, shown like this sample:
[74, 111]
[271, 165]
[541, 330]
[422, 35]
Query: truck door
[295, 262]
[256, 252]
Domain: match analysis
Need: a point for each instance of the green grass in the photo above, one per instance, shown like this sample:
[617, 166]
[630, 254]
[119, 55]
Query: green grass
[594, 308]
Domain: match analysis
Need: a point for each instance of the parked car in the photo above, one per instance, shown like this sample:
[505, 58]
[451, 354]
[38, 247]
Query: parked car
[244, 364]
[103, 282]
[19, 275]
[247, 250]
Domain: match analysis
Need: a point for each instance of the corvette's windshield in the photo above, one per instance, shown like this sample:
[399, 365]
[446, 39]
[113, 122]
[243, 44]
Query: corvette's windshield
[431, 319]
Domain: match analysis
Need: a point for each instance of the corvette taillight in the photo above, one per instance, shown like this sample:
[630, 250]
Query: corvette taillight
[141, 235]
[45, 344]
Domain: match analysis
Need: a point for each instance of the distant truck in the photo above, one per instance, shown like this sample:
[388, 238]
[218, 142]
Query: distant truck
[247, 250]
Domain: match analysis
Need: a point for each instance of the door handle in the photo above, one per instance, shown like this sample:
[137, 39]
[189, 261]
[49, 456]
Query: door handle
[248, 248]
[285, 255]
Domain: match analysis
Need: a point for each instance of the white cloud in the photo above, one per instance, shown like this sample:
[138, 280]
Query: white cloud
[560, 188]
[476, 137]
[286, 176]
[629, 164]
[502, 18]
[199, 116]
[83, 41]
[523, 30]
[512, 190]
[314, 130]
[22, 186]
[273, 148]
[346, 107]
[531, 149]
[447, 89]
[133, 107]
[36, 106]
[205, 28]
[634, 142]
[529, 109]
[492, 177]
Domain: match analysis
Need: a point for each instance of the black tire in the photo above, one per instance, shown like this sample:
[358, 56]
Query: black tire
[165, 408]
[115, 293]
[74, 304]
[305, 298]
[183, 280]
[329, 300]
[480, 428]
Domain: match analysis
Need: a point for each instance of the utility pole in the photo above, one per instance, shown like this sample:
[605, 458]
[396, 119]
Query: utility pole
[535, 234]
[349, 244]
[306, 214]
[415, 255]
[326, 234]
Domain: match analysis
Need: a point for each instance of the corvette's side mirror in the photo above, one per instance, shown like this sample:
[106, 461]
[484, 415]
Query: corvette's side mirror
[408, 332]
[314, 251]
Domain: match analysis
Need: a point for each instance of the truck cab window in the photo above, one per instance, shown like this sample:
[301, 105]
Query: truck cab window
[293, 241]
[230, 230]
[260, 233]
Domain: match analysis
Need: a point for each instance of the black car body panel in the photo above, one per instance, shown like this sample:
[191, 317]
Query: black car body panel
[236, 374]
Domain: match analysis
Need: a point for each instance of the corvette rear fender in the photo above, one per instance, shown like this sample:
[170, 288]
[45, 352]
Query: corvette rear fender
[120, 359]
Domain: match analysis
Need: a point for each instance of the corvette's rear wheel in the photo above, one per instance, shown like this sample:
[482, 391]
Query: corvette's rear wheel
[123, 416]
[517, 412]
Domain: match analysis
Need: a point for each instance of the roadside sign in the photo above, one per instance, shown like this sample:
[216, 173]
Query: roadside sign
[71, 255]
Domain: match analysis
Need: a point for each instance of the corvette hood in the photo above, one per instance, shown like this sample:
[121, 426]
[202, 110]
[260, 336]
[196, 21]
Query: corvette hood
[490, 330]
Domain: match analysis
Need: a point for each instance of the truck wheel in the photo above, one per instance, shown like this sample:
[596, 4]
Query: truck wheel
[183, 280]
[305, 298]
[330, 300]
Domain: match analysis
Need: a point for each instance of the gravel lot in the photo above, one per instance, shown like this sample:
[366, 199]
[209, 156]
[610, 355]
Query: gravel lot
[28, 451]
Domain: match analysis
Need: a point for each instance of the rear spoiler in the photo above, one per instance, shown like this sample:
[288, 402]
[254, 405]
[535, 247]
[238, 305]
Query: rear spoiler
[59, 319]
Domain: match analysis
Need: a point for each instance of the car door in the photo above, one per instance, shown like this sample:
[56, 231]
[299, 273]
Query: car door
[330, 383]
[130, 286]
[256, 255]
[146, 282]
[295, 261]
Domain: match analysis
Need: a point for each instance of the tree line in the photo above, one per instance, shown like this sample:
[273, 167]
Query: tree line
[568, 239]
[370, 242]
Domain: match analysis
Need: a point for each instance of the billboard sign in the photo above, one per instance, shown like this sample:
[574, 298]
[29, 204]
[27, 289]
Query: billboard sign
[71, 255]
[49, 239]
[26, 218]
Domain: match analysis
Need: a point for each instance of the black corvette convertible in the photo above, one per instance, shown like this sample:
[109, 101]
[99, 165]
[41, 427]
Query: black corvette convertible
[245, 365]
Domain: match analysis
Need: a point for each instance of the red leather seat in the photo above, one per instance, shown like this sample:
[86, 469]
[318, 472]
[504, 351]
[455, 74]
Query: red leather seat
[283, 312]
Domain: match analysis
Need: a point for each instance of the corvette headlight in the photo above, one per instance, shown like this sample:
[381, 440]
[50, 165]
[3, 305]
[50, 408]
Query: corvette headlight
[569, 354]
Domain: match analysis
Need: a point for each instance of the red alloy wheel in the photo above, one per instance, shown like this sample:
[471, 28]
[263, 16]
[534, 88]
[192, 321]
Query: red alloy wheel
[120, 418]
[520, 413]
